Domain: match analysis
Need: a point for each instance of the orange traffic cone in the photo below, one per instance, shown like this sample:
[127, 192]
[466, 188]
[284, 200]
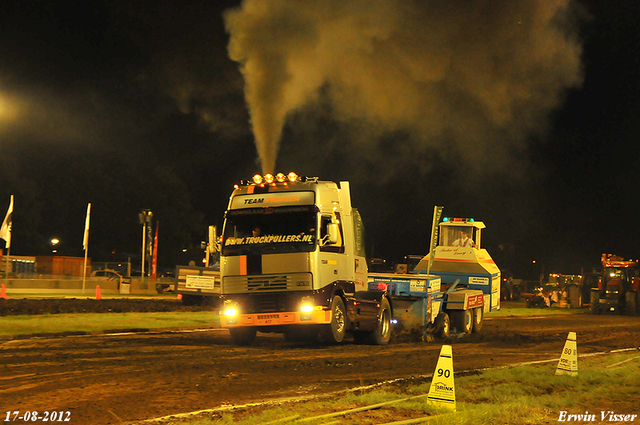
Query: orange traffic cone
[98, 294]
[179, 295]
[3, 292]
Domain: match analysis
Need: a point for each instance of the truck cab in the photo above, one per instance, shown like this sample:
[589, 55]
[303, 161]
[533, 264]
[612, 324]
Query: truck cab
[618, 286]
[460, 257]
[291, 255]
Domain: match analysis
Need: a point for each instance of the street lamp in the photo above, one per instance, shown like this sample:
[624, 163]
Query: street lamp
[145, 219]
[54, 242]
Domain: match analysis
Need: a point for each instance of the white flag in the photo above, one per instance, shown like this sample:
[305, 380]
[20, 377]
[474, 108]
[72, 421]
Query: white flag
[5, 230]
[85, 240]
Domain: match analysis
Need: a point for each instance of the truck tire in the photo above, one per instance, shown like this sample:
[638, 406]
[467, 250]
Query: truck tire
[462, 321]
[443, 326]
[595, 303]
[382, 334]
[631, 303]
[243, 336]
[478, 316]
[334, 332]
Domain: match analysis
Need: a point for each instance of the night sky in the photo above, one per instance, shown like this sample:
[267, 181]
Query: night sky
[525, 115]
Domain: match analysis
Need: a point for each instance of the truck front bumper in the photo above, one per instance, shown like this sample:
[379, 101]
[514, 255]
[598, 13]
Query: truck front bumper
[316, 317]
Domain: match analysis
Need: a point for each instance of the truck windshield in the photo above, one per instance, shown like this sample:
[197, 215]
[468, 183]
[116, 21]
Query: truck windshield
[269, 230]
[457, 236]
[614, 273]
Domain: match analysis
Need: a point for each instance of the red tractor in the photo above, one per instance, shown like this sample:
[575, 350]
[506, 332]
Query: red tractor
[618, 287]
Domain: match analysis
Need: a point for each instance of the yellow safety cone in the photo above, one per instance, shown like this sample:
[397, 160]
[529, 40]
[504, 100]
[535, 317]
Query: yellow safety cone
[568, 364]
[442, 392]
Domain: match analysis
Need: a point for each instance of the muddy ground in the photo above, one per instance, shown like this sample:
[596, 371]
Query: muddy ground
[129, 378]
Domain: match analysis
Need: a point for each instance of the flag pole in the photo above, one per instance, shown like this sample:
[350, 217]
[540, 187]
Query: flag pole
[6, 266]
[85, 244]
[5, 233]
[84, 271]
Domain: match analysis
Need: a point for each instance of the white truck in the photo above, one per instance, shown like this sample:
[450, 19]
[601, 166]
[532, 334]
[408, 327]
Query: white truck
[293, 262]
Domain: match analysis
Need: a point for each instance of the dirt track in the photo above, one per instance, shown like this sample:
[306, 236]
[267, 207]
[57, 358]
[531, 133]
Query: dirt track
[112, 379]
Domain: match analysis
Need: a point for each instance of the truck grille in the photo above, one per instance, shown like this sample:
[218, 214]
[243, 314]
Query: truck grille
[268, 303]
[266, 283]
[613, 289]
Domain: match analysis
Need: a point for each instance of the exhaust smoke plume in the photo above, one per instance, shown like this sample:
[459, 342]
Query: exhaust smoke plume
[469, 80]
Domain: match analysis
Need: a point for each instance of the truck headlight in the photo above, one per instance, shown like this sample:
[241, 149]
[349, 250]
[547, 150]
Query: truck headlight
[231, 312]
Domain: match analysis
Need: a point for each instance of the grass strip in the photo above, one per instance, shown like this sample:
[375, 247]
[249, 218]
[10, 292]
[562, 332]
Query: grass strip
[522, 311]
[43, 324]
[515, 395]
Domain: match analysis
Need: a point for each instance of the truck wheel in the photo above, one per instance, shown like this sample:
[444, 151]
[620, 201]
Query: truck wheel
[462, 321]
[443, 326]
[595, 303]
[243, 336]
[333, 333]
[631, 303]
[382, 334]
[478, 315]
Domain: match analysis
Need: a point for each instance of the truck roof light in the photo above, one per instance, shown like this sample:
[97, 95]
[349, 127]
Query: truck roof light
[272, 180]
[465, 220]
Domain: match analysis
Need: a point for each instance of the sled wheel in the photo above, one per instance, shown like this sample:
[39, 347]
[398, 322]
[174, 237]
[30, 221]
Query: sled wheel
[462, 321]
[478, 316]
[443, 326]
[333, 333]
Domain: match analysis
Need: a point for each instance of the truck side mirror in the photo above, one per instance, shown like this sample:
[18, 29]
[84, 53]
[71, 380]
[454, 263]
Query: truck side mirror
[332, 234]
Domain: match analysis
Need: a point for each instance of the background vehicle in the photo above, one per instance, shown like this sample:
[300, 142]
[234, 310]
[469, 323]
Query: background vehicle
[112, 275]
[199, 285]
[618, 286]
[293, 262]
